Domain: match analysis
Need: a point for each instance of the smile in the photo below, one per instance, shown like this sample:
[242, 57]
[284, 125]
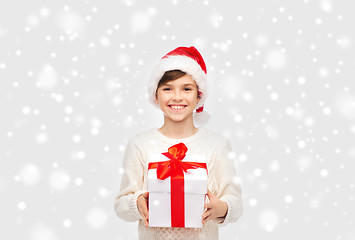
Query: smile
[177, 107]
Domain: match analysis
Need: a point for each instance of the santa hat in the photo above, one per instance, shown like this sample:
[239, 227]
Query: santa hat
[190, 61]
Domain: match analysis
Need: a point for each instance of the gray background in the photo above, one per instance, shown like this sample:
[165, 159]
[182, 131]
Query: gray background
[73, 77]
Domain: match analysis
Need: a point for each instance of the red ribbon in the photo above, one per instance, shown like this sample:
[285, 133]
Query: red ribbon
[175, 168]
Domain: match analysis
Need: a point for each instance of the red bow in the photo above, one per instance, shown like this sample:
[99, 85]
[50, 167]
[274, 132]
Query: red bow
[175, 168]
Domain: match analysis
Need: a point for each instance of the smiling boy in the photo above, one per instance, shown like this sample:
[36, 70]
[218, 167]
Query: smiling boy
[179, 87]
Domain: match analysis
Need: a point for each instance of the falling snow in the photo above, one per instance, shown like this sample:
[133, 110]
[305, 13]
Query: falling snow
[96, 218]
[73, 80]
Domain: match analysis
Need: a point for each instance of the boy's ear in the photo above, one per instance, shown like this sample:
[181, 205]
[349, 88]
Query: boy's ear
[198, 95]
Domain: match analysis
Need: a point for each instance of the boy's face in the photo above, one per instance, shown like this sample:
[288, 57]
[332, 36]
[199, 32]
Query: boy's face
[178, 98]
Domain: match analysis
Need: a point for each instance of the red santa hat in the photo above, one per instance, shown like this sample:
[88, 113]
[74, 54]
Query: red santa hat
[190, 61]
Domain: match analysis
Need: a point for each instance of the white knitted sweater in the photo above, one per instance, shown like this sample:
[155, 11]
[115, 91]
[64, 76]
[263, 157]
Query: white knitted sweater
[222, 181]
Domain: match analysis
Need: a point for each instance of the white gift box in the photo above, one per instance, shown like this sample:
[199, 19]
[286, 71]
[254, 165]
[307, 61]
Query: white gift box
[195, 188]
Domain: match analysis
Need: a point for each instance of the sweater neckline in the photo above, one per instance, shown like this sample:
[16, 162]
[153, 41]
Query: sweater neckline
[174, 140]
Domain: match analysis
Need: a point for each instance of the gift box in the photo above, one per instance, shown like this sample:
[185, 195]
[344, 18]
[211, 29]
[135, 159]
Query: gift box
[177, 185]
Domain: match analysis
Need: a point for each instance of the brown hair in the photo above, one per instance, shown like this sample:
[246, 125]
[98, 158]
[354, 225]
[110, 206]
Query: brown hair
[173, 75]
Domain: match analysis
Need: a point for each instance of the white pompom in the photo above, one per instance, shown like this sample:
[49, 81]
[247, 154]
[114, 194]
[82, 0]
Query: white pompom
[201, 118]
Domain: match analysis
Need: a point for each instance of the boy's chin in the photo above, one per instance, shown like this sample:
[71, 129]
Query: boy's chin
[177, 119]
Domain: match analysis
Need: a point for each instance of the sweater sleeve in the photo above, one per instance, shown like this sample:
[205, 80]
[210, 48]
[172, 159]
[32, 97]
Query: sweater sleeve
[229, 189]
[125, 202]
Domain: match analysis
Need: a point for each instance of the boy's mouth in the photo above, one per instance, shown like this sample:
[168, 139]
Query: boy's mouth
[177, 107]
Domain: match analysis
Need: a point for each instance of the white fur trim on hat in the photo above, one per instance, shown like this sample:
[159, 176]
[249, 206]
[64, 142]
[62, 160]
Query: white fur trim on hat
[201, 118]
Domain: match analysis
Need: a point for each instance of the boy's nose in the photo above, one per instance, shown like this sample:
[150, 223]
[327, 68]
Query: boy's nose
[177, 95]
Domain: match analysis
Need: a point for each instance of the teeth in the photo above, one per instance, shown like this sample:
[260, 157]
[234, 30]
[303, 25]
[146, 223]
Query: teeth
[177, 107]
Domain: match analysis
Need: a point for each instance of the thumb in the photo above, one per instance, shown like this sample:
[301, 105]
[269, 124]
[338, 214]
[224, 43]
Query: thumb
[146, 195]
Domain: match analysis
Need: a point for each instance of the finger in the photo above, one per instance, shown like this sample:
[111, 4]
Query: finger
[208, 205]
[210, 194]
[146, 216]
[146, 223]
[143, 207]
[207, 219]
[146, 220]
[146, 198]
[146, 195]
[206, 214]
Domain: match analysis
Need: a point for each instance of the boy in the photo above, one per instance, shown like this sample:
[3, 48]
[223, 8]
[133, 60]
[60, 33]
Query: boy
[179, 87]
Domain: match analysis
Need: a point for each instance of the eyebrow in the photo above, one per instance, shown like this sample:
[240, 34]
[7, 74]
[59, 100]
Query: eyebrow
[185, 85]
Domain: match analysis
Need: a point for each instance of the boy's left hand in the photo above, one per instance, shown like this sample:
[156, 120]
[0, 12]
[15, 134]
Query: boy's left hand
[215, 208]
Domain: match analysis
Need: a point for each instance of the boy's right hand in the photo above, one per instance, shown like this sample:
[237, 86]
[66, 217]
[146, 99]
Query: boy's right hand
[142, 204]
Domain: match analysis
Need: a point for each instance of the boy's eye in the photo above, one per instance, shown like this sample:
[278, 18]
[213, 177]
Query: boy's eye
[187, 89]
[166, 89]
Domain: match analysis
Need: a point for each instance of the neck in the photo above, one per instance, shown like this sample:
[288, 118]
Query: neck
[178, 130]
